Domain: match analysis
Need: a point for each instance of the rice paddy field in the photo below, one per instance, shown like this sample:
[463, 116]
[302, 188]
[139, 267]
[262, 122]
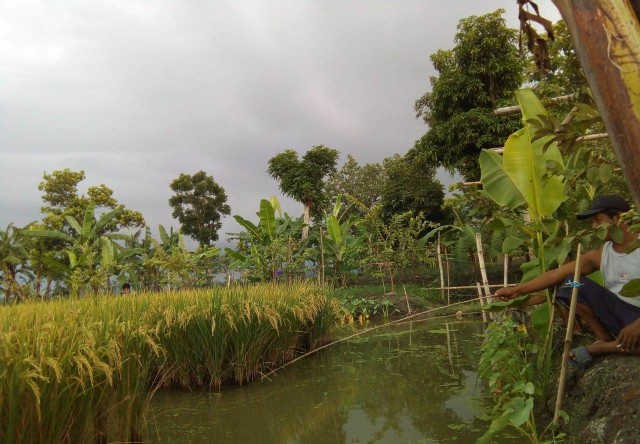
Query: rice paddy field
[84, 370]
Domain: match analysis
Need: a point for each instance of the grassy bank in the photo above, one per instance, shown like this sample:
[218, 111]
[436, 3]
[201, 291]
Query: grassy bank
[73, 369]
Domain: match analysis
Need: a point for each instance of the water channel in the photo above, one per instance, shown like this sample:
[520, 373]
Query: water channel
[410, 383]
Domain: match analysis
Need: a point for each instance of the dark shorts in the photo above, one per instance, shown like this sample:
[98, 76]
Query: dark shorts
[612, 311]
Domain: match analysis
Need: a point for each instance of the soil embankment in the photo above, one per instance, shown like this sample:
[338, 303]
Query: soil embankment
[603, 402]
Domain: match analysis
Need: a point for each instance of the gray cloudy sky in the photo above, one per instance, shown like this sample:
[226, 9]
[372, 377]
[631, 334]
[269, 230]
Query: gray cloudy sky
[136, 92]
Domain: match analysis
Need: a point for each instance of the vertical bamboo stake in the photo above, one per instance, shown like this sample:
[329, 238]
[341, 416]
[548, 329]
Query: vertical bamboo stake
[321, 274]
[441, 272]
[567, 339]
[446, 262]
[481, 297]
[506, 270]
[483, 269]
[406, 298]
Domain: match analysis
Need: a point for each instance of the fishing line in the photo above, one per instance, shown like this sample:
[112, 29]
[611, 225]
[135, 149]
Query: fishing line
[367, 330]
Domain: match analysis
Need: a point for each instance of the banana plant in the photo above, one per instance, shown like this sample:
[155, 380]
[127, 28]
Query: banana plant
[340, 241]
[268, 245]
[90, 255]
[522, 180]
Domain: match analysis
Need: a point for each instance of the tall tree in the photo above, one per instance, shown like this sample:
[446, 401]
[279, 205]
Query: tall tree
[61, 198]
[360, 185]
[304, 180]
[477, 75]
[199, 204]
[411, 188]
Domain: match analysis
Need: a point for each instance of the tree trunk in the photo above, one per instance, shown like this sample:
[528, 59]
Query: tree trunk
[606, 35]
[307, 219]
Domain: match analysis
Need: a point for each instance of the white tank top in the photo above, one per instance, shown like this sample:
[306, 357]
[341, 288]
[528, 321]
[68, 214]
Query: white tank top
[619, 268]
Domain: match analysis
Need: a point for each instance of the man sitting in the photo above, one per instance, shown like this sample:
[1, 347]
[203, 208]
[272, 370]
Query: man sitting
[614, 319]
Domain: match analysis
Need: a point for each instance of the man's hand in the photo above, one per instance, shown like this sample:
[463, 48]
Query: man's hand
[507, 293]
[629, 337]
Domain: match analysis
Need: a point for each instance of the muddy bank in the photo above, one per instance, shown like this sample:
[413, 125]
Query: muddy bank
[603, 401]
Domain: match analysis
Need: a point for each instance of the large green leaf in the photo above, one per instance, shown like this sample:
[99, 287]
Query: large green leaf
[521, 410]
[540, 319]
[267, 219]
[49, 234]
[164, 237]
[525, 161]
[253, 230]
[104, 220]
[497, 183]
[87, 223]
[336, 236]
[106, 251]
[521, 175]
[74, 224]
[234, 254]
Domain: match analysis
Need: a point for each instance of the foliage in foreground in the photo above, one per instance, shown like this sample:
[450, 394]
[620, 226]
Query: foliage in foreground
[71, 367]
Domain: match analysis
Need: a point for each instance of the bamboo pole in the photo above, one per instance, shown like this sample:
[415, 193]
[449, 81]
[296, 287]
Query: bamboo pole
[481, 297]
[446, 261]
[516, 108]
[406, 299]
[567, 339]
[440, 267]
[466, 287]
[483, 269]
[506, 270]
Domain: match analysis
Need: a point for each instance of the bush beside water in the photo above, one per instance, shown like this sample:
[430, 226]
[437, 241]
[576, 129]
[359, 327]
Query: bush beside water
[73, 369]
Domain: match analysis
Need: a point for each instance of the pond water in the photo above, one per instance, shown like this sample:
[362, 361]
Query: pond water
[410, 383]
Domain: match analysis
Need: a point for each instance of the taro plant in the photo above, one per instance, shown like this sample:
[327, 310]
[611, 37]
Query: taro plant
[507, 368]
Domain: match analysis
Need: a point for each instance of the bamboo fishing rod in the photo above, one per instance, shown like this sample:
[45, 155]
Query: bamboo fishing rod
[367, 330]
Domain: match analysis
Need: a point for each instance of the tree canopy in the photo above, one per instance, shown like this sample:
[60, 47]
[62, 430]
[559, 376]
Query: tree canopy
[477, 75]
[360, 185]
[61, 198]
[303, 179]
[199, 204]
[411, 188]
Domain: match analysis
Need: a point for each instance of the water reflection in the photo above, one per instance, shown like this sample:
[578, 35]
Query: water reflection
[414, 383]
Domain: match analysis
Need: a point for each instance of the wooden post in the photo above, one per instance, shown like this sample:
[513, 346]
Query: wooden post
[567, 338]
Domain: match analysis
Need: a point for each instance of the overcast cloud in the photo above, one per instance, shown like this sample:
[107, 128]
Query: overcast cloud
[136, 92]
